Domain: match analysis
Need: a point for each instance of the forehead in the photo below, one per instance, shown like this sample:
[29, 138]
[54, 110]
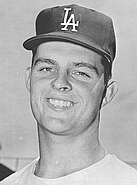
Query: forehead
[67, 52]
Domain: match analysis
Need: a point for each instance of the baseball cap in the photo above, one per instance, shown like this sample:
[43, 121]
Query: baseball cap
[75, 24]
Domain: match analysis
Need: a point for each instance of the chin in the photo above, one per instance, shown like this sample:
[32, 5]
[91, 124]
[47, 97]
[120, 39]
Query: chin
[56, 126]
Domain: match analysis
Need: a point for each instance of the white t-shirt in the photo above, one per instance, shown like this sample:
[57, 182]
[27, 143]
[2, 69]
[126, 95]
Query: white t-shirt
[108, 171]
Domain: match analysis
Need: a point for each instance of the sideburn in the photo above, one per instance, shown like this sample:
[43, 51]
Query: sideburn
[104, 94]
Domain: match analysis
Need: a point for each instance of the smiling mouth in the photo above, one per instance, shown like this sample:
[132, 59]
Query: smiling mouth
[60, 103]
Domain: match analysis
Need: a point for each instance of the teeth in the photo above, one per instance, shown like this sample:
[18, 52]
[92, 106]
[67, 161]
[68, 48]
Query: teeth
[65, 104]
[68, 104]
[51, 101]
[56, 102]
[60, 103]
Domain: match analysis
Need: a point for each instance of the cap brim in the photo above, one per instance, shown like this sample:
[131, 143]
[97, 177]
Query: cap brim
[33, 42]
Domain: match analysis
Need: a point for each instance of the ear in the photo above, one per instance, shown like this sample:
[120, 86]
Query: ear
[27, 78]
[111, 91]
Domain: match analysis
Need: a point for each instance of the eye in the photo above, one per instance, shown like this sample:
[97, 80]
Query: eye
[81, 74]
[47, 69]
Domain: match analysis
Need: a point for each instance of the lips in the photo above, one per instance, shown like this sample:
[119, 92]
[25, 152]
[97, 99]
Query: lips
[60, 103]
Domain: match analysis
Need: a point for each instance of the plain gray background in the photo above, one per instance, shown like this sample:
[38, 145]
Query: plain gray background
[118, 128]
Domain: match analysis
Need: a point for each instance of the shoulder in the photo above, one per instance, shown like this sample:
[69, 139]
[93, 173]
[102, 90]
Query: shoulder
[120, 165]
[15, 178]
[123, 171]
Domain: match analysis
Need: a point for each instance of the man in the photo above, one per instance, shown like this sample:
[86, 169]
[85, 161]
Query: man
[69, 81]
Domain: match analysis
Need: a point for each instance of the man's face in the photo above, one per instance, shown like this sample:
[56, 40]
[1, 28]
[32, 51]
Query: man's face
[66, 86]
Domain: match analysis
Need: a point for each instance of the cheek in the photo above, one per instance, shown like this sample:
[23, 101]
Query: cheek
[95, 96]
[85, 91]
[36, 92]
[91, 95]
[38, 86]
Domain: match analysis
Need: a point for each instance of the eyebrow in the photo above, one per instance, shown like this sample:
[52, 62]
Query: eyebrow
[84, 64]
[80, 64]
[43, 60]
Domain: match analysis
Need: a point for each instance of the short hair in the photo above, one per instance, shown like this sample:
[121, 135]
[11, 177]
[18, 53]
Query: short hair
[107, 70]
[33, 55]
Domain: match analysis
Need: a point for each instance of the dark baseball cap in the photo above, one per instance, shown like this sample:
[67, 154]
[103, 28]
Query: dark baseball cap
[75, 24]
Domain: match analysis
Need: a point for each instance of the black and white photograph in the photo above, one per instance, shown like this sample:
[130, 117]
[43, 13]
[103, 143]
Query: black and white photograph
[68, 92]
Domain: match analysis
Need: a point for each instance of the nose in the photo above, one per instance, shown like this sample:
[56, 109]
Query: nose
[61, 84]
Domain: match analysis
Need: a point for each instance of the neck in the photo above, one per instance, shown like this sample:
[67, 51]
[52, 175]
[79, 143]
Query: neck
[62, 155]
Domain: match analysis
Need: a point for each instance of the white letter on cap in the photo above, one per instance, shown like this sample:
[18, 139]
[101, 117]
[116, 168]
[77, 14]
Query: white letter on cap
[69, 23]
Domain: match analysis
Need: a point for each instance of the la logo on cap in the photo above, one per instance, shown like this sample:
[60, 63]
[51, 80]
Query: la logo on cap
[71, 21]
